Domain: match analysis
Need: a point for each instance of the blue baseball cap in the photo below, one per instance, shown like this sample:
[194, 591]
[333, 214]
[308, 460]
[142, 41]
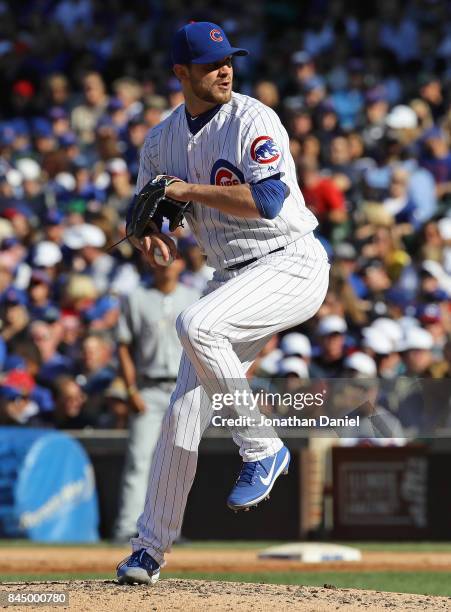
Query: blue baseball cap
[202, 42]
[114, 105]
[14, 297]
[57, 112]
[20, 126]
[68, 139]
[53, 217]
[42, 128]
[7, 134]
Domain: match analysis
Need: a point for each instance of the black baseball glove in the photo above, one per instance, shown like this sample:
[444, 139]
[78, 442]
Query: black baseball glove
[151, 206]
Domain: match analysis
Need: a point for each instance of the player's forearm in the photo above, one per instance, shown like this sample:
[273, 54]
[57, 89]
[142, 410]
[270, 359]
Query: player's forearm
[127, 366]
[235, 200]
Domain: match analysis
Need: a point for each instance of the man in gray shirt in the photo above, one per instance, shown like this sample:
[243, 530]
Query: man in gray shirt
[149, 355]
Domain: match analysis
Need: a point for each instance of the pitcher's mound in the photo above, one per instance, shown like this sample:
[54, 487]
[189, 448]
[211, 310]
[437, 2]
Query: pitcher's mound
[200, 595]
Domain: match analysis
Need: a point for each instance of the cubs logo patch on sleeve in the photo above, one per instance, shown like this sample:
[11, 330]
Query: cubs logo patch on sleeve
[225, 174]
[264, 150]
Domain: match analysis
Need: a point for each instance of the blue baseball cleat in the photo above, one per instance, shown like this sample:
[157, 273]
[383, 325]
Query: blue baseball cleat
[256, 480]
[139, 568]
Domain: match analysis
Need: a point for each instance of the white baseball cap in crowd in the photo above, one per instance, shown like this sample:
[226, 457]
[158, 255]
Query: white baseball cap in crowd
[389, 329]
[270, 362]
[444, 227]
[47, 254]
[417, 338]
[331, 324]
[29, 168]
[83, 235]
[361, 363]
[66, 180]
[401, 117]
[293, 365]
[14, 178]
[116, 166]
[296, 344]
[406, 324]
[377, 342]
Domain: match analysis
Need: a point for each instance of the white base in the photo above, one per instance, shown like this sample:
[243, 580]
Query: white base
[312, 552]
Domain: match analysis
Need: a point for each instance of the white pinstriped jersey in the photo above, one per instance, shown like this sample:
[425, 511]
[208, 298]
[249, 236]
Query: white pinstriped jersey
[244, 142]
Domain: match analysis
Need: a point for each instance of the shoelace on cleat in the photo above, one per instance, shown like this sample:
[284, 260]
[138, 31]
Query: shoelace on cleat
[138, 559]
[247, 473]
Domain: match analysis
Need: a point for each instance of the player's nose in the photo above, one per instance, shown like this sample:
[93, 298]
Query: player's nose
[225, 70]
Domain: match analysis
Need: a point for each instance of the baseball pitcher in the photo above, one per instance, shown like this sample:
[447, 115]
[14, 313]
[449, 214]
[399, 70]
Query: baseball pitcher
[222, 162]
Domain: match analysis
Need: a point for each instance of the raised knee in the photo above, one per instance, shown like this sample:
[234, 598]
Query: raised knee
[188, 325]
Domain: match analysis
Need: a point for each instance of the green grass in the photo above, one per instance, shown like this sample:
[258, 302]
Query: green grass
[28, 543]
[253, 545]
[401, 546]
[364, 546]
[197, 545]
[423, 583]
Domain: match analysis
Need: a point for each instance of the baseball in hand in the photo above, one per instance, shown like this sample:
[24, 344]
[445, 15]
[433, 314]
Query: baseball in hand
[158, 256]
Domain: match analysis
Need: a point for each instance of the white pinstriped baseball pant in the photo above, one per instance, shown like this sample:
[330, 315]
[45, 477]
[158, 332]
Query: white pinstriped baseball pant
[221, 336]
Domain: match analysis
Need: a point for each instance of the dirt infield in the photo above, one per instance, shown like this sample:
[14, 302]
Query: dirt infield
[67, 560]
[197, 595]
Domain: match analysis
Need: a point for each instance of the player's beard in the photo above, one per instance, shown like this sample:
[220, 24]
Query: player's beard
[213, 95]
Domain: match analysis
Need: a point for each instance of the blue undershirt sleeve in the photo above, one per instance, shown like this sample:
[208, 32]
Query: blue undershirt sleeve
[269, 195]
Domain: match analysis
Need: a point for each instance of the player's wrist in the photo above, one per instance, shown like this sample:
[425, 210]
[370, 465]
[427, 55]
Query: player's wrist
[179, 191]
[132, 390]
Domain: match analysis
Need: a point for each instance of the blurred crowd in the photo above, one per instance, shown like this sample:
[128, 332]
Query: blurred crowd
[365, 94]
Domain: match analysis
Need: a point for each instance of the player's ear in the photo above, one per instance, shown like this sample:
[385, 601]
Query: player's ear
[180, 71]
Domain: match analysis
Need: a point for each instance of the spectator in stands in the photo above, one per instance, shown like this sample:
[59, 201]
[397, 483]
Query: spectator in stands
[361, 399]
[398, 203]
[384, 352]
[27, 357]
[52, 226]
[57, 91]
[85, 116]
[154, 107]
[54, 363]
[294, 372]
[129, 92]
[116, 412]
[47, 256]
[322, 196]
[95, 371]
[16, 406]
[121, 190]
[15, 318]
[303, 69]
[72, 333]
[70, 405]
[442, 368]
[437, 159]
[417, 352]
[374, 126]
[331, 332]
[88, 240]
[196, 273]
[39, 293]
[431, 92]
[376, 279]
